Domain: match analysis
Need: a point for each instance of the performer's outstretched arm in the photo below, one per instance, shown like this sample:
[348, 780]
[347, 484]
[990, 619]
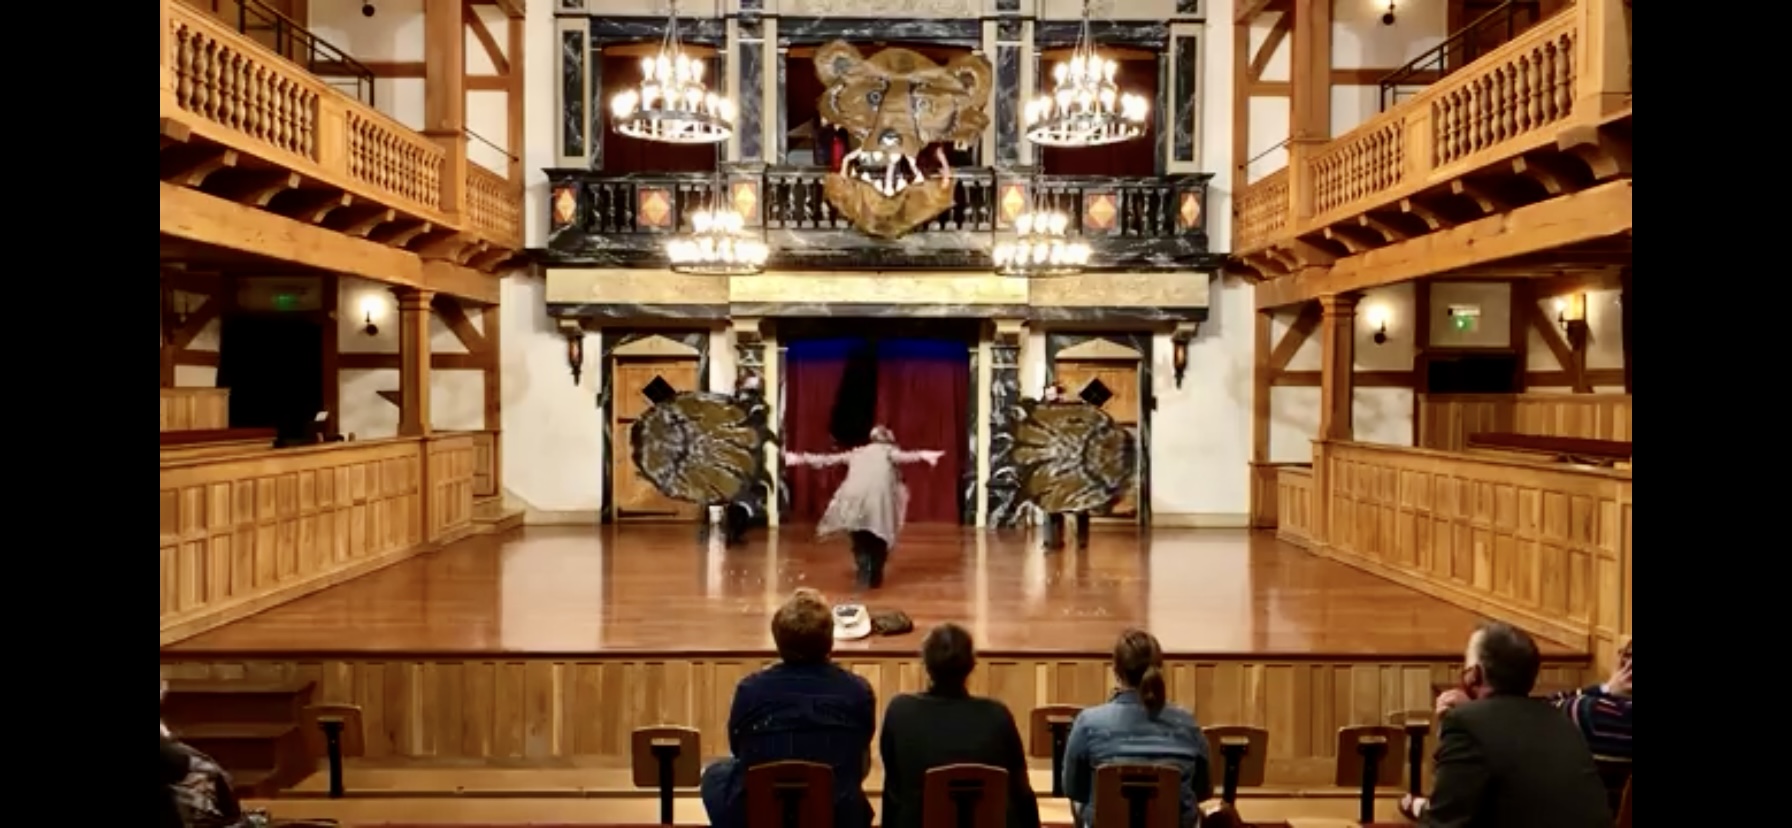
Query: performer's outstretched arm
[901, 456]
[797, 458]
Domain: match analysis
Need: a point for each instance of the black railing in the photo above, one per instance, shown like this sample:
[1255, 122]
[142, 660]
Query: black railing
[1460, 49]
[622, 219]
[297, 44]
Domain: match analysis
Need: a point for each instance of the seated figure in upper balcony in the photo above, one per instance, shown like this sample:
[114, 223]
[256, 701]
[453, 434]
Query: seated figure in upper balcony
[897, 105]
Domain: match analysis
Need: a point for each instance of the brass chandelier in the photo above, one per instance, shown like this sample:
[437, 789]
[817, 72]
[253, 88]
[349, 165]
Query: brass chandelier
[673, 105]
[1086, 108]
[1042, 246]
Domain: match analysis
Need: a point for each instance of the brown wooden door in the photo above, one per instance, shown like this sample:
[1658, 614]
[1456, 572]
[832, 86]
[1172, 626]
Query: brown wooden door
[634, 497]
[1122, 380]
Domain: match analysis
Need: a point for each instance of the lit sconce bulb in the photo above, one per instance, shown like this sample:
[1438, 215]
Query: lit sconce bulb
[623, 105]
[662, 68]
[1107, 97]
[647, 68]
[1060, 72]
[701, 221]
[1060, 222]
[697, 67]
[1108, 69]
[1023, 223]
[709, 103]
[725, 109]
[1063, 97]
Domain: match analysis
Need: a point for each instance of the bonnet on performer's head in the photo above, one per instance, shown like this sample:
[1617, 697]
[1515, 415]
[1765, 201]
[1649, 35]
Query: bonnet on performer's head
[882, 434]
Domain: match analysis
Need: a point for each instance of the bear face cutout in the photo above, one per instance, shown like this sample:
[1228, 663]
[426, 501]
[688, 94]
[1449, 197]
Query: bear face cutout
[896, 105]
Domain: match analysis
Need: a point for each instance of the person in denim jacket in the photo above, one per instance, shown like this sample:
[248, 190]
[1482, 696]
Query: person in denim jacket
[1136, 727]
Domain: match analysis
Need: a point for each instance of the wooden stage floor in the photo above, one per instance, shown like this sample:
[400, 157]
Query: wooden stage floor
[547, 647]
[658, 588]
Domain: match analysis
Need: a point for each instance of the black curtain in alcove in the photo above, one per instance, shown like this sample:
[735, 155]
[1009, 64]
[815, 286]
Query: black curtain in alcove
[855, 404]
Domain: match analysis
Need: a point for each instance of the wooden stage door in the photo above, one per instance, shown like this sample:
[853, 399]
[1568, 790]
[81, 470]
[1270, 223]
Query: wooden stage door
[635, 498]
[1118, 370]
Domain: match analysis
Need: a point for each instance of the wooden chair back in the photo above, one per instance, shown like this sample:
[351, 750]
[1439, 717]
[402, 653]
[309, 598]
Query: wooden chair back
[1353, 742]
[1246, 746]
[644, 762]
[1039, 727]
[352, 739]
[1154, 792]
[790, 795]
[965, 796]
[1418, 724]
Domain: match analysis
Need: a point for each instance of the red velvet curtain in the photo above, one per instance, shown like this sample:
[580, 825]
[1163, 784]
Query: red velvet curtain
[923, 395]
[811, 384]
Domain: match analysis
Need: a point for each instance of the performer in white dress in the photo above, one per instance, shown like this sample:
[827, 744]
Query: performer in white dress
[872, 502]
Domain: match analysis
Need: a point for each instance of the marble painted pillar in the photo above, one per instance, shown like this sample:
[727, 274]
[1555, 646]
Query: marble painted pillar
[1004, 401]
[749, 371]
[746, 42]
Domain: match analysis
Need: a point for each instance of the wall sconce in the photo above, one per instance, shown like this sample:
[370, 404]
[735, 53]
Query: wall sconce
[1179, 351]
[1378, 319]
[371, 306]
[575, 348]
[1388, 19]
[1571, 309]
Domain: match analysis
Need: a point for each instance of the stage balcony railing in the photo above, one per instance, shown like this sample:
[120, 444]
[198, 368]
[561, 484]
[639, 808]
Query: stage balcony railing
[596, 216]
[1572, 69]
[221, 86]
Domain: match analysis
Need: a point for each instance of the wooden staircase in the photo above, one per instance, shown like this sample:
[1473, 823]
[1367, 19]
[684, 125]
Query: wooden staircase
[490, 515]
[255, 730]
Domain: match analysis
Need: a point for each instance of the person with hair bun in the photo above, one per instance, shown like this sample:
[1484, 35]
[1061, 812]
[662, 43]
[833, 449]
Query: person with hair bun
[1137, 725]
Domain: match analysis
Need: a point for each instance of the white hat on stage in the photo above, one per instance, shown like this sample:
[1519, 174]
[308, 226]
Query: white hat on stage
[851, 622]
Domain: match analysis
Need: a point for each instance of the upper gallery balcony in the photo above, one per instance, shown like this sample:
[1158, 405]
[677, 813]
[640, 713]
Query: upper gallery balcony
[287, 141]
[1546, 114]
[1131, 223]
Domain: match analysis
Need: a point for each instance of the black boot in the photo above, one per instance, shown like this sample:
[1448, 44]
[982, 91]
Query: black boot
[878, 558]
[861, 557]
[1082, 530]
[1054, 531]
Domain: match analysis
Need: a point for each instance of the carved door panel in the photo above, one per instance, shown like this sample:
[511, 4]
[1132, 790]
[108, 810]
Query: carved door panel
[1121, 379]
[634, 497]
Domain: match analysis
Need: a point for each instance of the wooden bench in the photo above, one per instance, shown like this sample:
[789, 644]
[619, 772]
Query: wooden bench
[255, 730]
[1604, 453]
[215, 442]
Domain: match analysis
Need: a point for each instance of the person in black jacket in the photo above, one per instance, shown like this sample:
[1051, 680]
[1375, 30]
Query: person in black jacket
[175, 765]
[1504, 759]
[948, 726]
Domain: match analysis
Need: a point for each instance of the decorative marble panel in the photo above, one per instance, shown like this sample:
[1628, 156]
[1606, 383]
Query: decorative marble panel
[1004, 401]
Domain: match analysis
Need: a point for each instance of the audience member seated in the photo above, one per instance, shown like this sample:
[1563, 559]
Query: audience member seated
[804, 708]
[198, 789]
[1136, 726]
[948, 726]
[1504, 759]
[1602, 712]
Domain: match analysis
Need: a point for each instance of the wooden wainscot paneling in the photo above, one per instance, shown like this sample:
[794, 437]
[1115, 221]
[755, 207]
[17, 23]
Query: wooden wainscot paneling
[1446, 421]
[245, 532]
[195, 409]
[545, 708]
[1544, 546]
[1294, 504]
[451, 463]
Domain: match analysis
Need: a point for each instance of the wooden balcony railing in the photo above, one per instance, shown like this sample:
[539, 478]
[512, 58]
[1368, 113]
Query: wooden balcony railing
[224, 87]
[1568, 70]
[621, 219]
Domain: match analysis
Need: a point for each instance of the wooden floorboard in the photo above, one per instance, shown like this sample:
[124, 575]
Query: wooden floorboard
[652, 588]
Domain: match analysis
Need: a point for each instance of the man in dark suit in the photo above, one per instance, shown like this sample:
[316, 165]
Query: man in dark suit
[1504, 759]
[948, 726]
[805, 707]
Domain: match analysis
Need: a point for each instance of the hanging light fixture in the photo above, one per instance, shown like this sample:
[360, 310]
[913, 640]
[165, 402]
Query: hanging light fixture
[1086, 108]
[1042, 246]
[672, 105]
[718, 244]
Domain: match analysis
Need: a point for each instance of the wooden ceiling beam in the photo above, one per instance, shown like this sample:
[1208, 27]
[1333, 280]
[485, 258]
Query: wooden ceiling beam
[1267, 52]
[1597, 213]
[1251, 10]
[206, 219]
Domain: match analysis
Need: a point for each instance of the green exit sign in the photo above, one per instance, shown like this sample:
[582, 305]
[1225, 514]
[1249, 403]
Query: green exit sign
[286, 301]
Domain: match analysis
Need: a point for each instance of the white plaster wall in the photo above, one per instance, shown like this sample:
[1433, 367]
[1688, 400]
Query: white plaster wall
[395, 34]
[553, 432]
[456, 398]
[1359, 41]
[195, 376]
[1378, 415]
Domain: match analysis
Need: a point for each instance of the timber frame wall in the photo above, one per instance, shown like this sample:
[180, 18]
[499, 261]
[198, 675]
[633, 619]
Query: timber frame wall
[1415, 193]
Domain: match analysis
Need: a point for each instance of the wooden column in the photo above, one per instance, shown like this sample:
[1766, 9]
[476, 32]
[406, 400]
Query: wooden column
[1310, 98]
[413, 361]
[445, 94]
[1338, 329]
[1264, 510]
[1624, 321]
[493, 329]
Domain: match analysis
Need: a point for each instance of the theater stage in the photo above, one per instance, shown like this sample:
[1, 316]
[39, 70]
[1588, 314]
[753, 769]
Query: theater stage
[549, 645]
